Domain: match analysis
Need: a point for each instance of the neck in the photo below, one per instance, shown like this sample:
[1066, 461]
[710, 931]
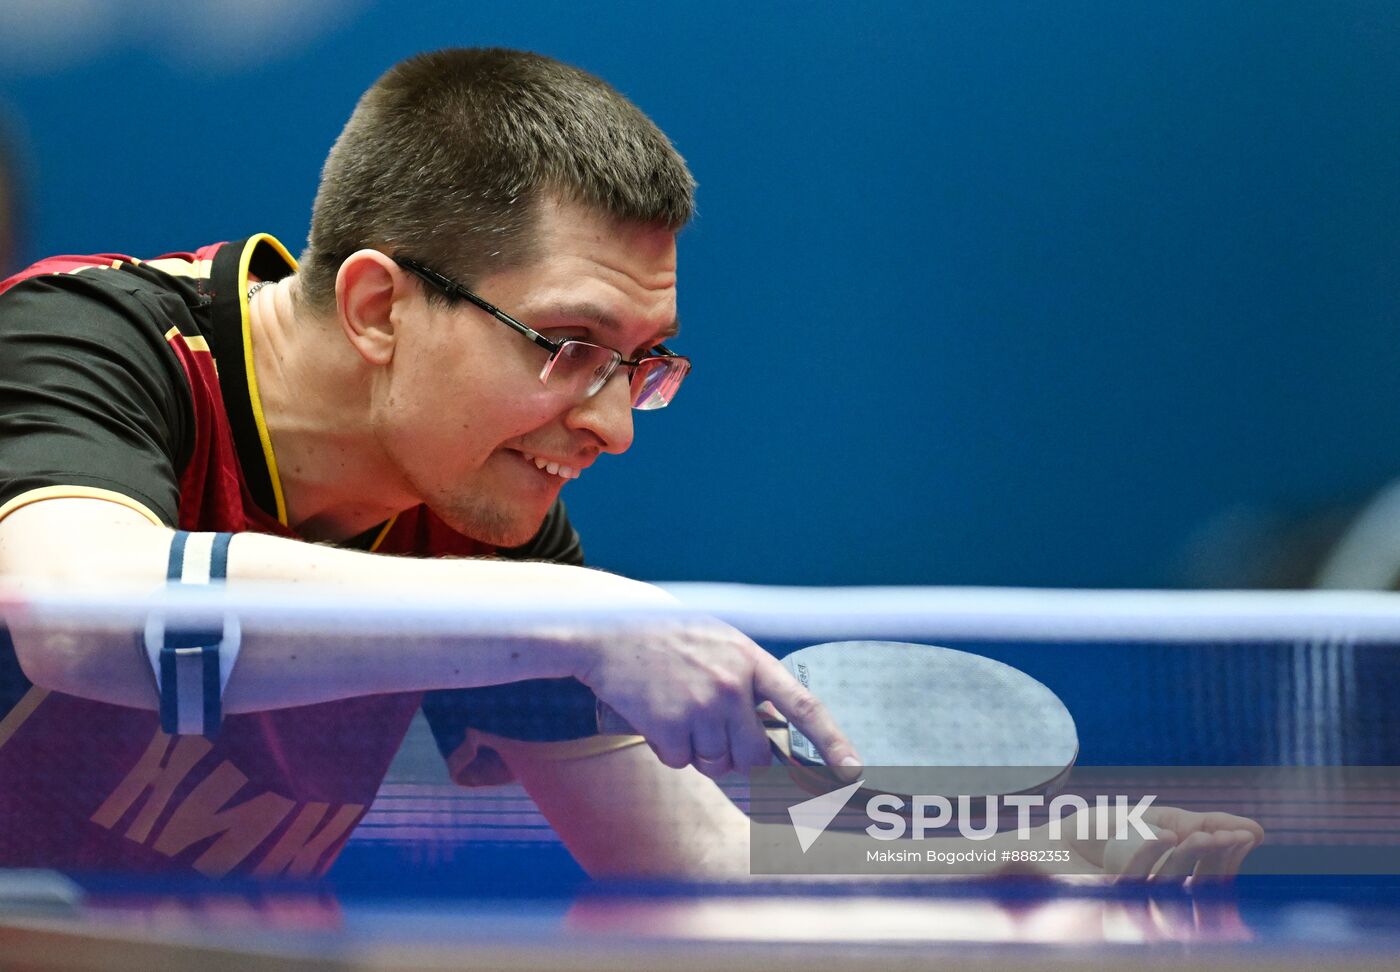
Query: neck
[315, 393]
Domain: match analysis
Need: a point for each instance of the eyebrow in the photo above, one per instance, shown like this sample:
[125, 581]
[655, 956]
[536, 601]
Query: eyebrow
[601, 319]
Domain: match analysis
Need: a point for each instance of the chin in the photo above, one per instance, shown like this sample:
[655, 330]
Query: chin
[493, 525]
[505, 540]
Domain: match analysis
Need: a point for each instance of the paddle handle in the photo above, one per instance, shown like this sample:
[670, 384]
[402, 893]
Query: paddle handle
[611, 722]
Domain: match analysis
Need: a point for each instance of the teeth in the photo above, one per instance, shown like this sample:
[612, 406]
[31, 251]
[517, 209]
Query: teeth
[553, 468]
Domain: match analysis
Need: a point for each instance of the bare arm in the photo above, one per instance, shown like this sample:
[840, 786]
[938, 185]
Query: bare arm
[689, 688]
[84, 544]
[623, 814]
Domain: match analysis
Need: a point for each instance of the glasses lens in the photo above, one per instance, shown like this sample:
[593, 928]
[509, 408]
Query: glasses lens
[580, 369]
[655, 380]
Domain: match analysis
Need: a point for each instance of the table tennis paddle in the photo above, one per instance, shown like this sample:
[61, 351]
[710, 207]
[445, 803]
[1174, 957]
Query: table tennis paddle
[988, 728]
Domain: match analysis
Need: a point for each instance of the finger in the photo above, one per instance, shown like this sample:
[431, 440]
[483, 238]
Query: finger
[1181, 822]
[1251, 827]
[1182, 861]
[671, 747]
[1218, 820]
[1224, 862]
[1242, 851]
[1185, 822]
[747, 738]
[1214, 863]
[749, 747]
[1134, 856]
[710, 747]
[805, 711]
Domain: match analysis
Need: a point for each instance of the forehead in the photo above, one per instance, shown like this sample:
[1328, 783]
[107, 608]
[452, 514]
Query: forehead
[619, 274]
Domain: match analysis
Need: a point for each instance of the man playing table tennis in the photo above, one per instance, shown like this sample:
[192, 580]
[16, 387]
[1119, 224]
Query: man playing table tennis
[298, 423]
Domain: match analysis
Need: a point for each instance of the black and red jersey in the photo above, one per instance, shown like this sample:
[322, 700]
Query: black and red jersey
[131, 381]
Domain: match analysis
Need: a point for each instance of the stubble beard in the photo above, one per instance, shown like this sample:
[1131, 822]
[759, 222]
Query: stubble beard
[487, 521]
[475, 511]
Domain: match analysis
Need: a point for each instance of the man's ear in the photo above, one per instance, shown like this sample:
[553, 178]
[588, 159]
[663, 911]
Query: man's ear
[366, 288]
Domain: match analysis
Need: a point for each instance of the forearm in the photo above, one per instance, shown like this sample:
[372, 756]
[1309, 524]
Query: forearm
[102, 547]
[678, 824]
[279, 670]
[624, 814]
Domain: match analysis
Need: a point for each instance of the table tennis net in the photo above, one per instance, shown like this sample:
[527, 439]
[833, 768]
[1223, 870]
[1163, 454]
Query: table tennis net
[1151, 679]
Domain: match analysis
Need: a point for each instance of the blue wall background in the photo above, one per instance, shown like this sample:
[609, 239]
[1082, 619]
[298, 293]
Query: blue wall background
[980, 292]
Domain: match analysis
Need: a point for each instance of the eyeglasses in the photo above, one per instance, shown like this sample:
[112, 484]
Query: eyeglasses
[579, 369]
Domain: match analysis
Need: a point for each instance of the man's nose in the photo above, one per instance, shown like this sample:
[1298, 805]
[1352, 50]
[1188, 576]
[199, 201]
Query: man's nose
[608, 414]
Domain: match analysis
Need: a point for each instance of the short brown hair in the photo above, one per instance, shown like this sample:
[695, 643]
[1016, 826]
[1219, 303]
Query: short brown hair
[446, 157]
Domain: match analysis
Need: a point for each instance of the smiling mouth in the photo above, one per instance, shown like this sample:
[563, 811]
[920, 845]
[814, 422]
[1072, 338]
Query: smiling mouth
[553, 468]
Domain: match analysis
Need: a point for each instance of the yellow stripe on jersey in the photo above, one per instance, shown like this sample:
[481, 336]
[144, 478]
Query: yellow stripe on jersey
[195, 343]
[254, 398]
[22, 710]
[78, 492]
[176, 267]
[388, 525]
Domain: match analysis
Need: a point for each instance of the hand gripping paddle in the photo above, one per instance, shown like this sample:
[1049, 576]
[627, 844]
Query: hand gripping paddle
[987, 728]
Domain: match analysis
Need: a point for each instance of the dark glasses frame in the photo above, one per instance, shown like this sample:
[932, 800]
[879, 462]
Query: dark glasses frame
[679, 364]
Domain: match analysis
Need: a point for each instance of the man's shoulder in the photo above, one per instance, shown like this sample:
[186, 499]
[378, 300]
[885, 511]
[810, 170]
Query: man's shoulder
[189, 273]
[178, 290]
[182, 270]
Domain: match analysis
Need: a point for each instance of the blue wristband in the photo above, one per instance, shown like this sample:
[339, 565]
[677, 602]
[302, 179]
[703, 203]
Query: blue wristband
[192, 662]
